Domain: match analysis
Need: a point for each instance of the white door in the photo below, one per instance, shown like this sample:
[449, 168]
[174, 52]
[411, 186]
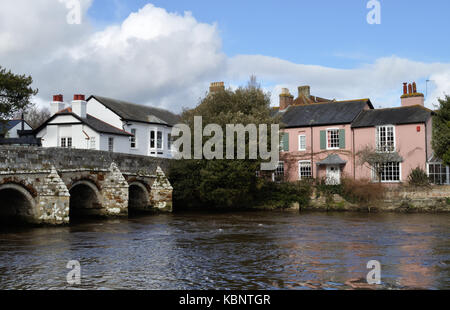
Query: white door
[333, 175]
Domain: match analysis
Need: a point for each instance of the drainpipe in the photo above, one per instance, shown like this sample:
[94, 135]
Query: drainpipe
[312, 152]
[354, 155]
[426, 144]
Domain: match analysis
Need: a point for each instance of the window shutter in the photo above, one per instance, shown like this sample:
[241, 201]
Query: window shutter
[286, 142]
[323, 139]
[342, 138]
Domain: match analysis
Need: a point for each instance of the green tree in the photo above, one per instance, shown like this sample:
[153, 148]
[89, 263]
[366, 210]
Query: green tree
[221, 183]
[15, 93]
[441, 131]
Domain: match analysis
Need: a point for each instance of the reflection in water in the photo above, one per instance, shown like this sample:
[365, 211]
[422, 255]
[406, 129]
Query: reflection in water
[257, 250]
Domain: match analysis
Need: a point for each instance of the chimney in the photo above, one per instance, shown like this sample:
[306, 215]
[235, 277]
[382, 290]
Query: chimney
[216, 87]
[79, 105]
[286, 99]
[410, 95]
[304, 91]
[57, 104]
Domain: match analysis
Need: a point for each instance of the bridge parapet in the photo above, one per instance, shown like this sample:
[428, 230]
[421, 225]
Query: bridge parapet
[37, 158]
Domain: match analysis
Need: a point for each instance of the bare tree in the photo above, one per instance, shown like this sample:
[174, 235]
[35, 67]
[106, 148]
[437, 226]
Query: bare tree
[376, 160]
[34, 116]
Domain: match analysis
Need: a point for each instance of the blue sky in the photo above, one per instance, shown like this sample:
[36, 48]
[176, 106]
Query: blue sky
[152, 52]
[326, 32]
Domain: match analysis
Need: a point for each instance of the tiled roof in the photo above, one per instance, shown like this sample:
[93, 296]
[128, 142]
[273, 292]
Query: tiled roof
[302, 99]
[392, 116]
[91, 121]
[136, 112]
[336, 112]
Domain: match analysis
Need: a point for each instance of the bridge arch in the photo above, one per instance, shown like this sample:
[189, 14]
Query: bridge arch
[17, 204]
[85, 200]
[138, 197]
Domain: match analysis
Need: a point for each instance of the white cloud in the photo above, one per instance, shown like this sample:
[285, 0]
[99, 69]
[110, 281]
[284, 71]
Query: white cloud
[167, 59]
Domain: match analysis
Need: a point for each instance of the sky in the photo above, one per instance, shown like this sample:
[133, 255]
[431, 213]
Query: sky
[165, 53]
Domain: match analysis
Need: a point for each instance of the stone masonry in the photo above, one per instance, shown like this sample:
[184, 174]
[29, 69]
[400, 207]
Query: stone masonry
[36, 183]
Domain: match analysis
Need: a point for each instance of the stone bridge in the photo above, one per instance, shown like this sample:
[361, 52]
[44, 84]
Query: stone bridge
[54, 185]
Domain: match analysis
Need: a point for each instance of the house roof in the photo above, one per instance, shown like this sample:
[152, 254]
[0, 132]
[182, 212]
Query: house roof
[9, 124]
[392, 116]
[302, 99]
[316, 114]
[91, 121]
[136, 112]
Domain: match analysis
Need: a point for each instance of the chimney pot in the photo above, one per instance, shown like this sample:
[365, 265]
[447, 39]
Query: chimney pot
[305, 91]
[58, 98]
[286, 99]
[79, 105]
[57, 104]
[412, 97]
[216, 87]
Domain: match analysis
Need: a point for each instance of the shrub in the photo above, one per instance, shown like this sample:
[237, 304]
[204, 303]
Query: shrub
[282, 195]
[361, 191]
[418, 177]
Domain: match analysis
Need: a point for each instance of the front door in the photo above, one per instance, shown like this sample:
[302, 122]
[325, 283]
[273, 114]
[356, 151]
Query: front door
[333, 175]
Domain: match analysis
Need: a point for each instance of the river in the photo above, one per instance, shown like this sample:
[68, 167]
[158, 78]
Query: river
[248, 250]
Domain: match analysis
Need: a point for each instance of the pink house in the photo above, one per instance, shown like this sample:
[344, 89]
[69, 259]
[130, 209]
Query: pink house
[322, 137]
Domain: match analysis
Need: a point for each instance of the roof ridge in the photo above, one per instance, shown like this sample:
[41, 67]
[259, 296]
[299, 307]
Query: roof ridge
[402, 107]
[328, 102]
[133, 103]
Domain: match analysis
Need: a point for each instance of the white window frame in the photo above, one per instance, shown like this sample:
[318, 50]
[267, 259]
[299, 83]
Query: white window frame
[92, 143]
[110, 145]
[275, 172]
[133, 139]
[66, 142]
[152, 131]
[338, 138]
[300, 162]
[447, 171]
[375, 177]
[161, 147]
[169, 141]
[300, 137]
[377, 138]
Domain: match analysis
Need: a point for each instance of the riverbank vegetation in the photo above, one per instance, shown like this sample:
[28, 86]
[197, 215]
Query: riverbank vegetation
[354, 191]
[222, 183]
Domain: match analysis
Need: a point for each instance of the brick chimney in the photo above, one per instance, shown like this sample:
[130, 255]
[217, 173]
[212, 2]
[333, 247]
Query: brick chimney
[411, 96]
[216, 87]
[79, 105]
[286, 99]
[304, 91]
[57, 104]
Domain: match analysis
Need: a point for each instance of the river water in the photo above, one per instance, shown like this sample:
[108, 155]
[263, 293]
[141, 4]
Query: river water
[249, 250]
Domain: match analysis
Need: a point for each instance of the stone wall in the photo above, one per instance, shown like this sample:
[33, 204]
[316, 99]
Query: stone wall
[397, 199]
[14, 158]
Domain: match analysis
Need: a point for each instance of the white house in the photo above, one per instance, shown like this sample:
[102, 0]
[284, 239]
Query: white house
[107, 124]
[11, 128]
